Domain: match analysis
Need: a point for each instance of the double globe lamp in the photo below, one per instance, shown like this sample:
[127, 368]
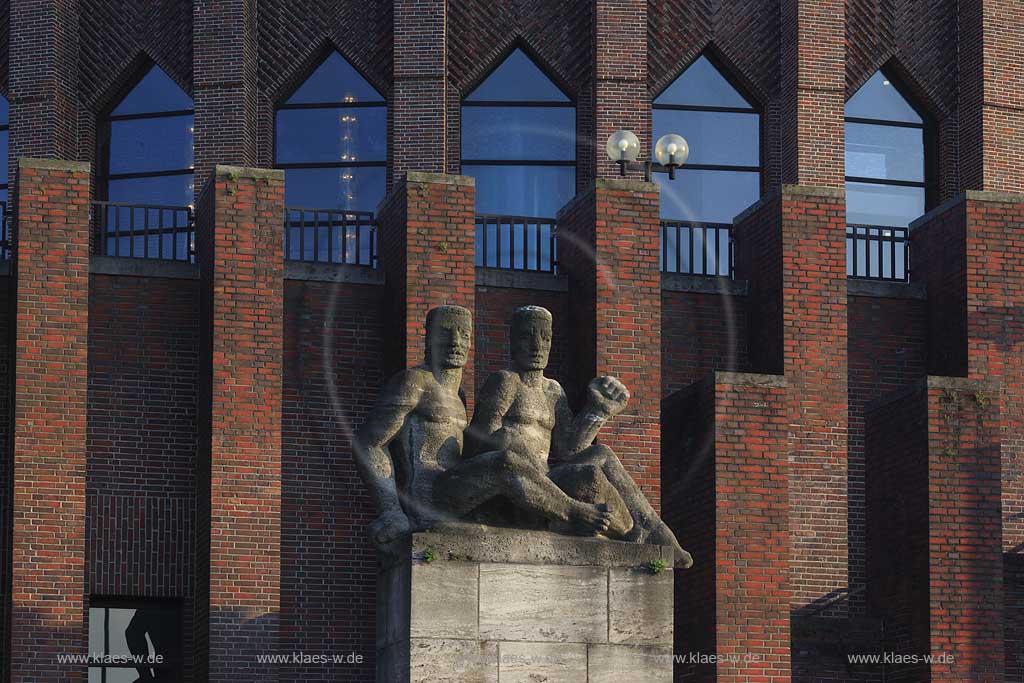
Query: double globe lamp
[671, 152]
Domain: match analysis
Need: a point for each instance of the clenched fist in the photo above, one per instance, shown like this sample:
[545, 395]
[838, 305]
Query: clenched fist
[607, 396]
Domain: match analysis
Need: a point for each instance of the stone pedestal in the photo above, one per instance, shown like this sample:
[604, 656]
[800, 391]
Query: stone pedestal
[467, 604]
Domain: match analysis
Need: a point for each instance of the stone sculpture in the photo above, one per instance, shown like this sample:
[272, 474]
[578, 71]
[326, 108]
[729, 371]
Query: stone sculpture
[410, 449]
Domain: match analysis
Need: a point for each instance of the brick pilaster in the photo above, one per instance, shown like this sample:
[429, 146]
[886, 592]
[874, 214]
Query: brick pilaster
[620, 71]
[990, 98]
[239, 479]
[419, 96]
[792, 250]
[43, 78]
[426, 245]
[51, 350]
[609, 245]
[724, 469]
[934, 562]
[225, 84]
[813, 91]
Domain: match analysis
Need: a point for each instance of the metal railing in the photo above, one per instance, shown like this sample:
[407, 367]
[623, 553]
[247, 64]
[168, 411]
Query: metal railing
[516, 243]
[5, 233]
[697, 248]
[330, 236]
[877, 253]
[144, 230]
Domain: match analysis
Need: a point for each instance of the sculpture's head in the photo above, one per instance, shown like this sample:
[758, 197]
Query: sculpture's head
[449, 335]
[531, 338]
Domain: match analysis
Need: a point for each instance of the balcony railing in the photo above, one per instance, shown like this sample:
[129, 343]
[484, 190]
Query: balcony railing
[144, 230]
[877, 253]
[330, 236]
[697, 248]
[516, 243]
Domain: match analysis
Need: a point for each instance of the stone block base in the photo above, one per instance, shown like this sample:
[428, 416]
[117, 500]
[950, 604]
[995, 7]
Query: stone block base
[469, 604]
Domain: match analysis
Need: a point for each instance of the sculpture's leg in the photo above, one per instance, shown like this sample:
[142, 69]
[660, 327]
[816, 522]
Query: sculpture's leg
[648, 527]
[589, 484]
[477, 480]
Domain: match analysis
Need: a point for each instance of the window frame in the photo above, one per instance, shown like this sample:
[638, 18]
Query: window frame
[754, 107]
[929, 141]
[569, 103]
[104, 135]
[283, 105]
[107, 602]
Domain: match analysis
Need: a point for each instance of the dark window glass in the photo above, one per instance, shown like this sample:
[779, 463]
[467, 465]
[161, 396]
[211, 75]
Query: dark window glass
[722, 176]
[885, 157]
[5, 120]
[546, 133]
[719, 138]
[331, 139]
[702, 85]
[705, 196]
[881, 204]
[355, 189]
[149, 155]
[523, 156]
[134, 640]
[538, 191]
[517, 79]
[331, 135]
[335, 81]
[879, 99]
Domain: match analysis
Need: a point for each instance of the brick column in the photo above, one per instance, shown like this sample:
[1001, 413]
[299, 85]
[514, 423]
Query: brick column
[239, 479]
[225, 84]
[968, 254]
[620, 71]
[726, 495]
[609, 244]
[792, 251]
[426, 246]
[43, 78]
[419, 94]
[813, 91]
[935, 566]
[51, 350]
[991, 95]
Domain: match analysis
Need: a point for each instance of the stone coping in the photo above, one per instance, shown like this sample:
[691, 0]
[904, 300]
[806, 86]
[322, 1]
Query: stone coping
[966, 385]
[53, 164]
[967, 195]
[143, 267]
[467, 542]
[440, 178]
[521, 279]
[249, 172]
[703, 284]
[886, 290]
[333, 272]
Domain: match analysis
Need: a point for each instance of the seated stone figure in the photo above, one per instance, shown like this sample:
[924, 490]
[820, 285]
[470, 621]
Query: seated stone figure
[409, 449]
[524, 414]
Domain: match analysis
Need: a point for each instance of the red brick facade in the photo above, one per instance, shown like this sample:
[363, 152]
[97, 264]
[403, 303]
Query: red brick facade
[259, 533]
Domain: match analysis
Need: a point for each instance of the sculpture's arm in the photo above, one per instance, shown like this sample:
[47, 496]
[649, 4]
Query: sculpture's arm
[399, 398]
[493, 402]
[606, 398]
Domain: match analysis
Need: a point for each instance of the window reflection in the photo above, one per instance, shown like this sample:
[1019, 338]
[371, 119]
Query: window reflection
[134, 641]
[885, 156]
[5, 122]
[519, 141]
[331, 139]
[149, 155]
[722, 176]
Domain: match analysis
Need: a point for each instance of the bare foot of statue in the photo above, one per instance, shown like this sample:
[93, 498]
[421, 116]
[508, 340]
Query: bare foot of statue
[590, 518]
[661, 535]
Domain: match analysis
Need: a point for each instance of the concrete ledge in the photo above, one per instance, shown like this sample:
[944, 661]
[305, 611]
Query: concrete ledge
[886, 290]
[143, 267]
[626, 184]
[790, 190]
[957, 384]
[968, 195]
[521, 279]
[748, 379]
[249, 172]
[463, 542]
[703, 284]
[54, 164]
[332, 272]
[440, 178]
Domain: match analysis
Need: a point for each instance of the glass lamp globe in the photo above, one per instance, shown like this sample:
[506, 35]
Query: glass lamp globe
[671, 150]
[623, 146]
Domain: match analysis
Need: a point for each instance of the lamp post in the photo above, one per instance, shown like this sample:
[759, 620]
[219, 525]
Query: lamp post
[671, 152]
